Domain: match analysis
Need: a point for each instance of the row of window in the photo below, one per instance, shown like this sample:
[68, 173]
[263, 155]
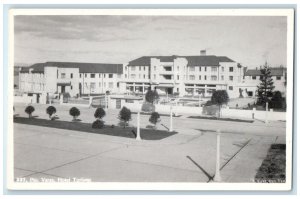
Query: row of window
[212, 78]
[191, 68]
[92, 85]
[254, 77]
[91, 75]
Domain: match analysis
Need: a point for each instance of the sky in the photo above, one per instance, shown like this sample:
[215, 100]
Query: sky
[248, 40]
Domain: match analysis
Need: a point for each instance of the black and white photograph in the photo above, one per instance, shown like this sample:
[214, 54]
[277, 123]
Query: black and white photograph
[151, 99]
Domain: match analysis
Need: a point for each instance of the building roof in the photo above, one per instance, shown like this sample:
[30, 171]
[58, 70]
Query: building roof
[274, 72]
[83, 67]
[200, 60]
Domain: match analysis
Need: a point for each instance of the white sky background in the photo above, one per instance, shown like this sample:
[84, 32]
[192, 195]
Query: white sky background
[118, 39]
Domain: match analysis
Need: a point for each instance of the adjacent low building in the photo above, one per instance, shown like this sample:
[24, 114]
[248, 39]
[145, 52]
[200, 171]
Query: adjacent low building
[252, 79]
[70, 77]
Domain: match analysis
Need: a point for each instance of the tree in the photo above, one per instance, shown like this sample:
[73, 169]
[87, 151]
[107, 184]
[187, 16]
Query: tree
[29, 110]
[151, 96]
[219, 97]
[125, 115]
[99, 113]
[265, 88]
[154, 118]
[74, 112]
[50, 111]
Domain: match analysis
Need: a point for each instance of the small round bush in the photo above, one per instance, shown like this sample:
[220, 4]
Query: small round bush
[98, 124]
[74, 112]
[29, 110]
[147, 107]
[51, 110]
[154, 118]
[99, 113]
[125, 115]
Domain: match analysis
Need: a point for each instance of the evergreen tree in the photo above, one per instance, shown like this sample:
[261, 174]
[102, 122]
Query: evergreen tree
[265, 88]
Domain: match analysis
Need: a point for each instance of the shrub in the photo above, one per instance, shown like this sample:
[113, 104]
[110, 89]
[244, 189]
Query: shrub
[74, 112]
[151, 96]
[219, 97]
[125, 115]
[29, 110]
[50, 111]
[99, 113]
[66, 97]
[277, 100]
[98, 124]
[147, 107]
[154, 118]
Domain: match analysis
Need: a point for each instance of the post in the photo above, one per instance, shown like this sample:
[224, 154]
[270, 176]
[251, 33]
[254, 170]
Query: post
[253, 113]
[138, 133]
[171, 119]
[217, 177]
[61, 99]
[90, 101]
[267, 108]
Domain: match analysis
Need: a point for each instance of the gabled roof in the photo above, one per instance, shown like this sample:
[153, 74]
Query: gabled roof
[274, 72]
[83, 67]
[200, 60]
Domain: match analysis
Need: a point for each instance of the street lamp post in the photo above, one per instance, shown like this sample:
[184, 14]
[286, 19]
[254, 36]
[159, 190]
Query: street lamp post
[217, 177]
[138, 133]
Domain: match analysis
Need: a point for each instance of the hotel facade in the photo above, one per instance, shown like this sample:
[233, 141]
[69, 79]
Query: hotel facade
[170, 75]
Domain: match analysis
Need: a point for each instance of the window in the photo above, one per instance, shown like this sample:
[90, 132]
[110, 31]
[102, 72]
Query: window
[204, 77]
[125, 67]
[85, 75]
[110, 84]
[154, 68]
[205, 68]
[199, 77]
[103, 75]
[213, 78]
[71, 75]
[140, 68]
[214, 69]
[222, 77]
[104, 84]
[231, 88]
[253, 77]
[199, 68]
[178, 68]
[71, 87]
[231, 78]
[230, 69]
[144, 76]
[133, 68]
[92, 75]
[139, 76]
[110, 75]
[99, 75]
[144, 68]
[92, 86]
[132, 76]
[278, 78]
[222, 68]
[63, 75]
[177, 77]
[192, 68]
[154, 76]
[125, 75]
[80, 75]
[192, 77]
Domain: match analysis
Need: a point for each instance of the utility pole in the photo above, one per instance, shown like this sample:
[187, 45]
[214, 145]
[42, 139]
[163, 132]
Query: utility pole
[217, 177]
[138, 133]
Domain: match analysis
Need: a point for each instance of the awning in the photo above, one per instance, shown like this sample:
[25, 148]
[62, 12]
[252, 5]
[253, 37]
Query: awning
[165, 86]
[64, 84]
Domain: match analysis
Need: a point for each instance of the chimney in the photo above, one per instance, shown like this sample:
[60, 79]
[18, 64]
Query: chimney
[202, 52]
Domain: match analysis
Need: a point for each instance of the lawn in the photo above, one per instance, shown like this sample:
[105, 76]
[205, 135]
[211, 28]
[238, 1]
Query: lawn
[272, 169]
[222, 119]
[129, 132]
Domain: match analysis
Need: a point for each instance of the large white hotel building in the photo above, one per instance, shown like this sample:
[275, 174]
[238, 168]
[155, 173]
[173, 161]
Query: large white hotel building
[182, 75]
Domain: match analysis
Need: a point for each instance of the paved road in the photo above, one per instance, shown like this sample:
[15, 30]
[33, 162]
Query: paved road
[189, 156]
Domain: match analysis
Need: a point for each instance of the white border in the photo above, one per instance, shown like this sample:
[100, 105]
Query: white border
[289, 13]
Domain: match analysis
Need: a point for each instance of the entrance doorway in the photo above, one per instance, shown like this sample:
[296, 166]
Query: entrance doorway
[63, 89]
[169, 91]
